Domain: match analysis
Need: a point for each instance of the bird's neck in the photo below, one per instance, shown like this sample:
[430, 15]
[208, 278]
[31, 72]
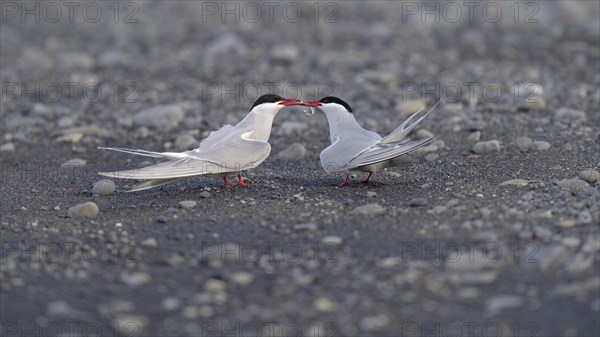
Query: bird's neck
[339, 122]
[260, 122]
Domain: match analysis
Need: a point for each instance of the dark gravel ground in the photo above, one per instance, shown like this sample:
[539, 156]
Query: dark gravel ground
[454, 245]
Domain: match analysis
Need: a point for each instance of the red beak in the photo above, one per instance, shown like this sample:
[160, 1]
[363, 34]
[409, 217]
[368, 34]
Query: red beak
[313, 104]
[291, 102]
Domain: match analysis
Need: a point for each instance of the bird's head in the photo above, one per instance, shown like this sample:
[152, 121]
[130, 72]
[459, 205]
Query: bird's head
[273, 103]
[330, 104]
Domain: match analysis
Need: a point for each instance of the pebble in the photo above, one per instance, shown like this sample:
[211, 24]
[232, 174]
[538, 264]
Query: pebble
[75, 60]
[85, 210]
[411, 106]
[542, 232]
[423, 134]
[567, 223]
[571, 241]
[294, 152]
[475, 125]
[136, 278]
[550, 257]
[485, 236]
[305, 227]
[104, 187]
[223, 43]
[215, 286]
[515, 182]
[204, 194]
[162, 116]
[185, 142]
[496, 304]
[486, 147]
[377, 322]
[71, 138]
[570, 115]
[161, 219]
[74, 163]
[170, 304]
[539, 145]
[7, 147]
[187, 204]
[284, 53]
[332, 239]
[418, 202]
[371, 194]
[573, 184]
[150, 243]
[523, 143]
[590, 176]
[126, 324]
[368, 209]
[584, 217]
[242, 278]
[323, 304]
[474, 136]
[533, 103]
[431, 157]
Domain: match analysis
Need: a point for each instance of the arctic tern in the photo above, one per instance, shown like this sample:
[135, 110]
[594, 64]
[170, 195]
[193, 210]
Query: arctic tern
[356, 149]
[229, 150]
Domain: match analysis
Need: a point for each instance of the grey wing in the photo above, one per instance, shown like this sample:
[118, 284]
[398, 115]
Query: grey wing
[239, 153]
[214, 137]
[381, 152]
[338, 155]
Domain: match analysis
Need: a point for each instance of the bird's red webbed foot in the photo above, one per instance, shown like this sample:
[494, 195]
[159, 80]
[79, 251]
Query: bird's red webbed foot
[346, 182]
[366, 181]
[228, 183]
[242, 184]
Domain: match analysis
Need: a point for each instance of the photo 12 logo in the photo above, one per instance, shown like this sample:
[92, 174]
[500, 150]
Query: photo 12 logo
[269, 11]
[469, 11]
[68, 11]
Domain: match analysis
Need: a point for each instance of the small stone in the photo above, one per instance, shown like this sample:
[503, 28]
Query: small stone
[411, 106]
[170, 304]
[533, 103]
[474, 136]
[372, 323]
[542, 232]
[323, 304]
[418, 202]
[136, 278]
[185, 142]
[549, 257]
[187, 204]
[284, 53]
[475, 125]
[71, 138]
[85, 210]
[150, 243]
[214, 286]
[161, 219]
[76, 60]
[584, 217]
[485, 236]
[104, 187]
[523, 143]
[515, 182]
[204, 195]
[368, 209]
[332, 240]
[125, 324]
[496, 304]
[571, 242]
[74, 163]
[371, 194]
[162, 116]
[305, 227]
[567, 223]
[486, 147]
[423, 134]
[242, 278]
[431, 157]
[573, 184]
[570, 115]
[539, 145]
[590, 176]
[294, 152]
[7, 147]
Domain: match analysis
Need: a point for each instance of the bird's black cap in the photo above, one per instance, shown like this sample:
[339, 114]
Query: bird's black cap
[333, 99]
[268, 98]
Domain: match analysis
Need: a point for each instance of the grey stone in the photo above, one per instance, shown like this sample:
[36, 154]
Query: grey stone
[294, 152]
[284, 53]
[590, 176]
[475, 125]
[76, 162]
[523, 143]
[204, 194]
[76, 60]
[332, 239]
[418, 202]
[474, 136]
[539, 145]
[570, 115]
[8, 147]
[486, 147]
[496, 304]
[187, 204]
[423, 134]
[185, 142]
[104, 187]
[162, 116]
[549, 257]
[85, 210]
[305, 227]
[368, 209]
[150, 243]
[573, 184]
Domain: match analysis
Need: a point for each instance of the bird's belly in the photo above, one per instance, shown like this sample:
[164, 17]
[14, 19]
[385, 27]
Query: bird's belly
[373, 167]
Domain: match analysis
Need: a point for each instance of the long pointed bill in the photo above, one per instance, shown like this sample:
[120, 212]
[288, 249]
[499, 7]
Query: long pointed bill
[291, 102]
[313, 104]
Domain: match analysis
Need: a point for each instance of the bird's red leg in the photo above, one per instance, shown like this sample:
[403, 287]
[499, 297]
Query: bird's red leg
[346, 183]
[227, 183]
[366, 181]
[242, 184]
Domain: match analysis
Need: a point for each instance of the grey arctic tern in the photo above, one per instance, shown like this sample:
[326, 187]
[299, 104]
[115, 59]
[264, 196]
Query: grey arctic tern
[229, 150]
[356, 149]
